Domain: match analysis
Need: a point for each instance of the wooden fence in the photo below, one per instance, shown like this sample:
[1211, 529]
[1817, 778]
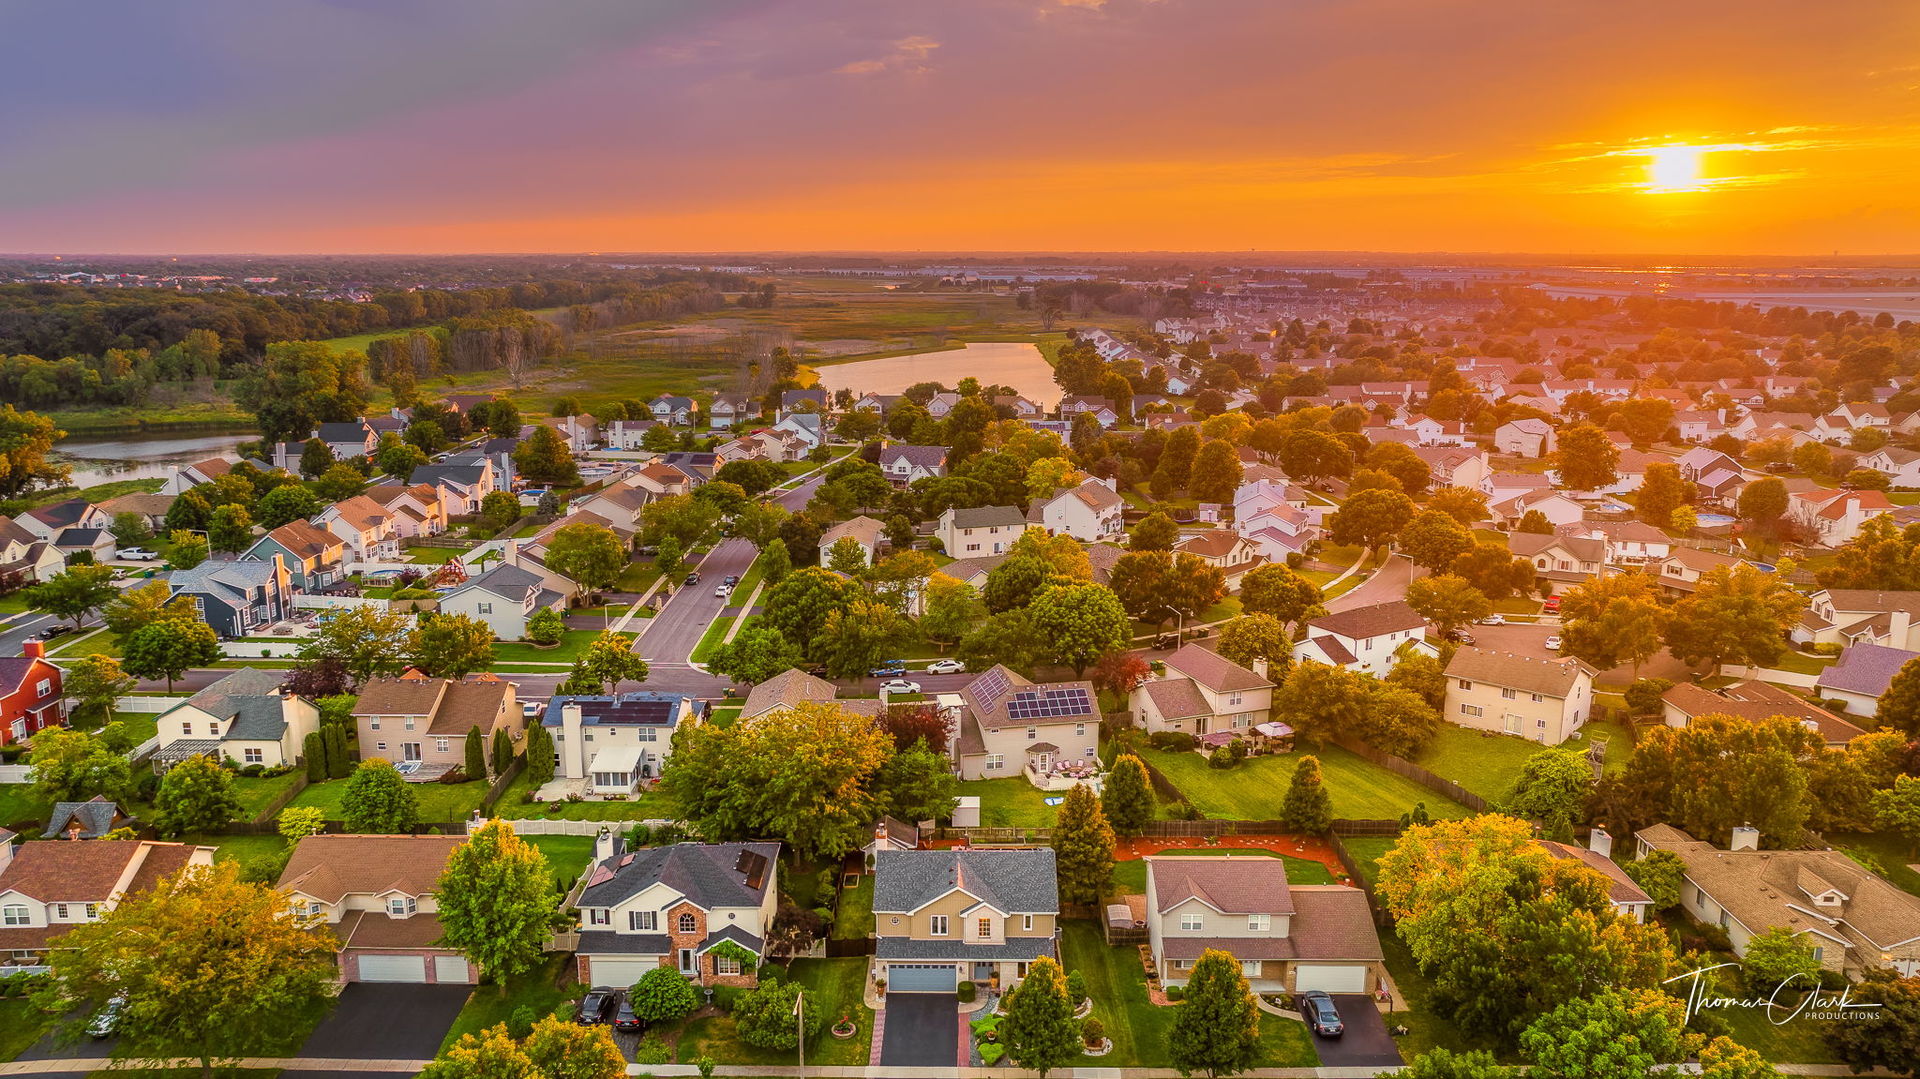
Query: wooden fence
[1410, 770]
[1170, 829]
[840, 949]
[501, 782]
[267, 815]
[1352, 865]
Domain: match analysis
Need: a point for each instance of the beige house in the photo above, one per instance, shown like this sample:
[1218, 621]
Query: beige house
[1753, 701]
[421, 723]
[692, 906]
[1286, 937]
[941, 917]
[420, 509]
[1561, 559]
[1543, 700]
[1205, 695]
[246, 717]
[862, 530]
[1626, 896]
[48, 888]
[376, 893]
[1852, 919]
[22, 552]
[791, 687]
[370, 530]
[1849, 616]
[504, 597]
[1007, 725]
[980, 532]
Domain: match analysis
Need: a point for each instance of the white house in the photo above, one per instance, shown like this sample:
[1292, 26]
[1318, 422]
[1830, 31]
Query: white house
[1363, 639]
[1090, 512]
[1530, 437]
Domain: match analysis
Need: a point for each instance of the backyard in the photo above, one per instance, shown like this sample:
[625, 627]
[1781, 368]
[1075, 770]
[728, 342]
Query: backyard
[1361, 790]
[655, 804]
[1010, 803]
[853, 915]
[438, 803]
[1130, 876]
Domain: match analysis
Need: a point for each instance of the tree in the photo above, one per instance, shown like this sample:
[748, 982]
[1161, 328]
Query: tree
[1216, 472]
[450, 645]
[1040, 1030]
[1896, 809]
[189, 512]
[1661, 492]
[1014, 583]
[26, 440]
[952, 608]
[1685, 520]
[185, 549]
[662, 995]
[496, 902]
[1616, 1034]
[774, 563]
[1006, 638]
[365, 640]
[554, 1049]
[287, 503]
[1079, 623]
[858, 637]
[545, 626]
[397, 457]
[539, 754]
[1155, 532]
[1586, 459]
[755, 654]
[339, 483]
[917, 783]
[755, 477]
[1494, 570]
[1083, 847]
[1886, 1036]
[1371, 518]
[608, 661]
[1175, 468]
[1463, 504]
[298, 822]
[1397, 720]
[1320, 701]
[1660, 874]
[1308, 808]
[377, 799]
[1779, 956]
[589, 554]
[315, 458]
[476, 754]
[203, 962]
[93, 683]
[73, 593]
[502, 751]
[1310, 455]
[544, 457]
[1127, 798]
[1552, 787]
[1216, 1026]
[169, 649]
[1533, 522]
[1278, 592]
[1435, 540]
[1734, 616]
[1899, 706]
[765, 1016]
[73, 766]
[1159, 586]
[1404, 465]
[1448, 602]
[798, 606]
[130, 529]
[1255, 637]
[196, 796]
[1608, 621]
[1443, 1064]
[498, 510]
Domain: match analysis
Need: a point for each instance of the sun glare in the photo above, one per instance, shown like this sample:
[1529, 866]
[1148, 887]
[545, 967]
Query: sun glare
[1674, 168]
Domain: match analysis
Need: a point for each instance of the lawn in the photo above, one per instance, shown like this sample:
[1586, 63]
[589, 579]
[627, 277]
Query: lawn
[853, 917]
[1803, 664]
[1796, 1041]
[256, 794]
[88, 642]
[1486, 764]
[655, 804]
[1361, 790]
[571, 646]
[21, 806]
[636, 578]
[540, 990]
[21, 1024]
[831, 986]
[439, 803]
[1137, 1026]
[567, 855]
[433, 556]
[1130, 876]
[1366, 851]
[1010, 803]
[1886, 848]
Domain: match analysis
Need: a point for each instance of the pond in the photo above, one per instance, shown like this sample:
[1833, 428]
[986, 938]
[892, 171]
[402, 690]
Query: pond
[996, 363]
[134, 457]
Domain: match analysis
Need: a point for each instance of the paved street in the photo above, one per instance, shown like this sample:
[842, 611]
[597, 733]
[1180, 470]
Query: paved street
[20, 628]
[670, 636]
[798, 498]
[1385, 586]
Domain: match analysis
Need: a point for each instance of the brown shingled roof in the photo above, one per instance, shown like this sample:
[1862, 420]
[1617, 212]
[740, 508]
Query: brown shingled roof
[1217, 673]
[330, 867]
[1554, 678]
[1229, 884]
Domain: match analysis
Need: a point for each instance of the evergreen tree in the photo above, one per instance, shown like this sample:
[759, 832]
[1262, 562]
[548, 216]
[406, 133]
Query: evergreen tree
[315, 749]
[338, 763]
[502, 751]
[1216, 1029]
[1040, 1030]
[539, 754]
[1308, 808]
[1127, 799]
[476, 754]
[1083, 848]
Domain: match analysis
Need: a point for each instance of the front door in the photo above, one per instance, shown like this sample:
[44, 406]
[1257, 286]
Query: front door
[410, 751]
[687, 962]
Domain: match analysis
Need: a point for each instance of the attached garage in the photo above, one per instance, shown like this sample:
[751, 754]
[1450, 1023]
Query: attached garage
[393, 968]
[922, 977]
[619, 973]
[450, 969]
[1330, 977]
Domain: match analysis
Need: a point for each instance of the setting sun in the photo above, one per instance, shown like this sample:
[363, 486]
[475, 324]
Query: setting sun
[1674, 168]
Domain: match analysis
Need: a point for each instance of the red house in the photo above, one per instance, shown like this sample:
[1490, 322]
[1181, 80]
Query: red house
[30, 695]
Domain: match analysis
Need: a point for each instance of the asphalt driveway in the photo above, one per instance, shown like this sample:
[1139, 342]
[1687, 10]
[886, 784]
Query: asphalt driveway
[923, 1031]
[1366, 1043]
[387, 1022]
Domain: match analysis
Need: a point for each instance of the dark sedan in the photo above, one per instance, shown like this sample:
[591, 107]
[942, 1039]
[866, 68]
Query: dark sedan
[598, 1007]
[1317, 1007]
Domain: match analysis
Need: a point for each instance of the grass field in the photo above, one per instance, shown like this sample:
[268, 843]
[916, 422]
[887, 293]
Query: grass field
[21, 806]
[833, 986]
[1366, 851]
[256, 794]
[853, 916]
[655, 804]
[21, 1024]
[540, 991]
[1010, 803]
[1361, 790]
[439, 803]
[567, 855]
[571, 646]
[1486, 764]
[1130, 876]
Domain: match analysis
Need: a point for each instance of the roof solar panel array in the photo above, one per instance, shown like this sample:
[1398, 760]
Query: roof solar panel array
[991, 686]
[1049, 704]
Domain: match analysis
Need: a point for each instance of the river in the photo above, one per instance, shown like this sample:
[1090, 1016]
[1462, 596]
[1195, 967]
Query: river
[132, 457]
[995, 363]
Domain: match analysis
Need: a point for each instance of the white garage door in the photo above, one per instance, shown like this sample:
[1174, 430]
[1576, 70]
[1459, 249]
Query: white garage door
[393, 968]
[922, 978]
[1331, 977]
[450, 968]
[620, 973]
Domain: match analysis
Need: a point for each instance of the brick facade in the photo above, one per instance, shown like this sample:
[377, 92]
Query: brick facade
[349, 961]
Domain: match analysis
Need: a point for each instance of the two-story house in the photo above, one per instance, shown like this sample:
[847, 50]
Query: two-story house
[1363, 639]
[464, 479]
[1538, 699]
[941, 917]
[370, 530]
[730, 408]
[609, 745]
[49, 521]
[864, 531]
[23, 553]
[1090, 512]
[1204, 694]
[1853, 616]
[1530, 437]
[504, 598]
[348, 441]
[793, 687]
[237, 598]
[32, 695]
[1683, 567]
[903, 464]
[983, 530]
[1286, 937]
[1754, 701]
[420, 509]
[1561, 559]
[376, 893]
[48, 888]
[247, 717]
[1233, 553]
[421, 723]
[674, 409]
[315, 557]
[1862, 675]
[1009, 725]
[703, 909]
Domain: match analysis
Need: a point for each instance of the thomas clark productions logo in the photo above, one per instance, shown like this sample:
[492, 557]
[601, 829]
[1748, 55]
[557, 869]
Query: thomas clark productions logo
[1790, 1000]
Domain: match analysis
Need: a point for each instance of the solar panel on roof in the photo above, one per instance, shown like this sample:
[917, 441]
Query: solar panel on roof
[635, 712]
[1049, 704]
[991, 685]
[753, 865]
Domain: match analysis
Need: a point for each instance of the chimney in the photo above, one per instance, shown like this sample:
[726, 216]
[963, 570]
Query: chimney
[1260, 666]
[1745, 837]
[510, 553]
[604, 845]
[1899, 625]
[574, 756]
[1600, 842]
[34, 649]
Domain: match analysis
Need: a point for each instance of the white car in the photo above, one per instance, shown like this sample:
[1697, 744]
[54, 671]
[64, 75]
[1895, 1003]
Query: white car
[533, 709]
[1553, 642]
[899, 685]
[723, 591]
[138, 554]
[1492, 620]
[946, 666]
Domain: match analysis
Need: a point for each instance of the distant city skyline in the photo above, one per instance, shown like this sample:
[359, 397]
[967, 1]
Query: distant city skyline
[1715, 128]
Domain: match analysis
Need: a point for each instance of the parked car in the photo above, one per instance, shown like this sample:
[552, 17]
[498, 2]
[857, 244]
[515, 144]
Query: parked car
[533, 709]
[107, 1019]
[946, 666]
[693, 578]
[52, 631]
[597, 1008]
[1321, 1016]
[723, 590]
[891, 668]
[138, 554]
[1491, 620]
[1460, 636]
[623, 1017]
[732, 579]
[1551, 605]
[899, 685]
[1553, 643]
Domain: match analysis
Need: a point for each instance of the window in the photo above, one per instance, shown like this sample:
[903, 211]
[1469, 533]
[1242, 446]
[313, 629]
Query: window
[648, 734]
[45, 687]
[401, 906]
[995, 762]
[1259, 923]
[440, 745]
[13, 914]
[186, 730]
[1509, 694]
[1472, 710]
[409, 723]
[726, 964]
[937, 925]
[93, 911]
[1537, 698]
[1464, 684]
[1192, 922]
[643, 921]
[1250, 967]
[373, 724]
[1032, 733]
[314, 907]
[254, 756]
[1819, 952]
[486, 608]
[984, 930]
[1541, 724]
[688, 923]
[598, 916]
[60, 911]
[382, 746]
[1079, 730]
[1234, 699]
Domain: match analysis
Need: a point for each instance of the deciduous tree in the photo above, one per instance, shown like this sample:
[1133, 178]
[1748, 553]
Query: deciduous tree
[1255, 637]
[1079, 623]
[1435, 540]
[1216, 1026]
[1552, 788]
[1040, 1030]
[169, 649]
[195, 796]
[589, 554]
[1734, 616]
[1586, 459]
[1319, 701]
[1463, 504]
[496, 902]
[73, 593]
[755, 654]
[93, 683]
[1615, 1034]
[1661, 492]
[1448, 602]
[1608, 621]
[1276, 590]
[377, 799]
[1371, 518]
[365, 640]
[1155, 532]
[73, 766]
[450, 645]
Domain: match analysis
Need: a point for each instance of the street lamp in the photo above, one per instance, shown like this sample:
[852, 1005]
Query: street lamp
[800, 1026]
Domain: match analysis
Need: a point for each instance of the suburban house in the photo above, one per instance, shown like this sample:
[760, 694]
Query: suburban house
[1090, 512]
[1538, 699]
[728, 409]
[1455, 466]
[1852, 919]
[791, 687]
[1363, 639]
[151, 509]
[94, 818]
[32, 695]
[371, 531]
[1753, 701]
[1861, 675]
[1626, 896]
[1854, 616]
[24, 553]
[1205, 695]
[607, 745]
[1557, 507]
[420, 509]
[246, 717]
[503, 597]
[94, 545]
[48, 522]
[1234, 554]
[1286, 937]
[864, 531]
[315, 557]
[1632, 542]
[1525, 438]
[48, 888]
[903, 464]
[1099, 408]
[581, 431]
[184, 478]
[1562, 559]
[1901, 467]
[703, 909]
[421, 723]
[1852, 416]
[376, 893]
[348, 441]
[628, 435]
[1008, 725]
[673, 409]
[1834, 517]
[941, 917]
[1683, 567]
[237, 598]
[464, 479]
[985, 530]
[814, 400]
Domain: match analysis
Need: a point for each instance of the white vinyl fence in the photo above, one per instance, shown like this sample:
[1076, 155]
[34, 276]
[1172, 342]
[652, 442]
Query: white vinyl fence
[147, 704]
[569, 827]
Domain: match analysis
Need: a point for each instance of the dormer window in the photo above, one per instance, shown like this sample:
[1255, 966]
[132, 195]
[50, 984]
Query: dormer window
[402, 906]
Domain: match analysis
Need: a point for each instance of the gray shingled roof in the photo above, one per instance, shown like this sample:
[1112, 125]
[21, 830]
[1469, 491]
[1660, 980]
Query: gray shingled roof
[256, 719]
[1015, 949]
[511, 582]
[1014, 881]
[96, 818]
[703, 872]
[988, 516]
[1866, 669]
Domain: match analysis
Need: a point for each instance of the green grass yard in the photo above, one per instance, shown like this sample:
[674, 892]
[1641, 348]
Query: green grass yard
[548, 989]
[1010, 803]
[1361, 790]
[1486, 764]
[655, 804]
[567, 855]
[21, 1024]
[1892, 853]
[570, 647]
[1130, 876]
[256, 795]
[439, 803]
[853, 915]
[833, 986]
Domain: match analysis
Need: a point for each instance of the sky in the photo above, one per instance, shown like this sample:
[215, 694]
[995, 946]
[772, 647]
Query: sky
[1683, 127]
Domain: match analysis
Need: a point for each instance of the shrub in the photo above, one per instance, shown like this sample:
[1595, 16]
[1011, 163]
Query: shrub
[991, 1052]
[662, 995]
[520, 1023]
[967, 992]
[1222, 757]
[652, 1050]
[1076, 988]
[1176, 993]
[1093, 1030]
[455, 776]
[1172, 741]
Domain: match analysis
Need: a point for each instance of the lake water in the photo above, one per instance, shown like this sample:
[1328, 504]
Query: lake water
[995, 363]
[133, 457]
